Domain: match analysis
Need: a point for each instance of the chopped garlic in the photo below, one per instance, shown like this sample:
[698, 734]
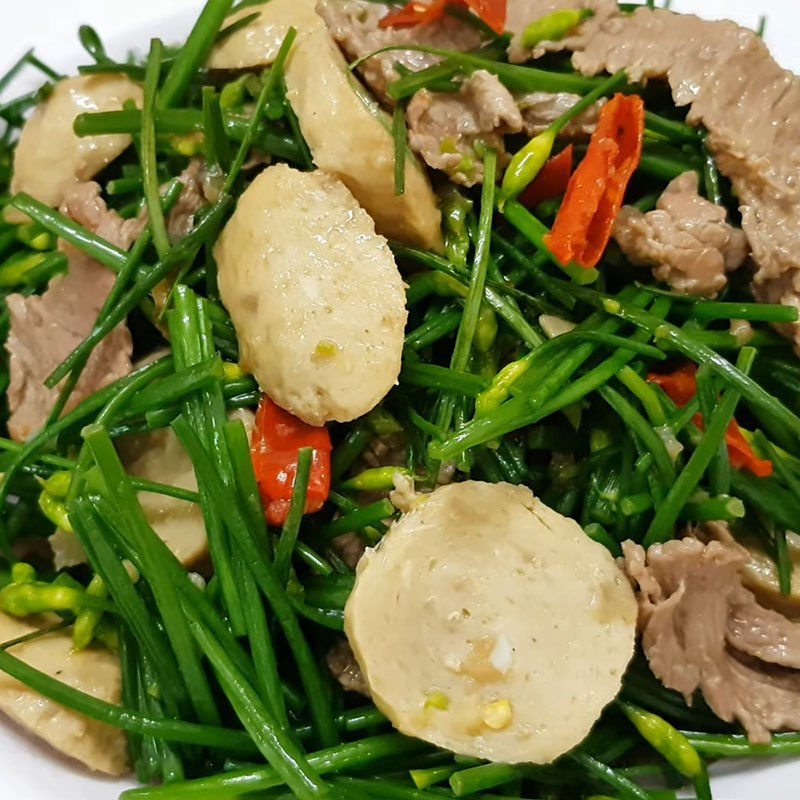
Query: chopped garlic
[742, 330]
[404, 496]
[555, 326]
[502, 654]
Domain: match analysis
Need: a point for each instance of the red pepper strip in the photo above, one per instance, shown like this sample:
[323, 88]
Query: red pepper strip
[741, 454]
[596, 189]
[415, 13]
[278, 437]
[551, 182]
[492, 12]
[681, 387]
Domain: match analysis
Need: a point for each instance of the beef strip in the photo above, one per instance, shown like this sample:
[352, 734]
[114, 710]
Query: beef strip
[198, 191]
[355, 26]
[45, 329]
[344, 667]
[444, 127]
[748, 103]
[686, 239]
[542, 109]
[701, 629]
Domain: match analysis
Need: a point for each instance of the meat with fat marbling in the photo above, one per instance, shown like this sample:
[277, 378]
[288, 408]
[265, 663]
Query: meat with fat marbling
[686, 239]
[701, 629]
[45, 329]
[444, 127]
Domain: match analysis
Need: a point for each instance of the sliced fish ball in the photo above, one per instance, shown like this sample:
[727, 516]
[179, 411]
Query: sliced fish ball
[314, 294]
[50, 157]
[258, 42]
[488, 624]
[95, 671]
[348, 134]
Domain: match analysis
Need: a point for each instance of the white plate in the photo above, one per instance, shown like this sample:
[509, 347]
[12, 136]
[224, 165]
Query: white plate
[30, 771]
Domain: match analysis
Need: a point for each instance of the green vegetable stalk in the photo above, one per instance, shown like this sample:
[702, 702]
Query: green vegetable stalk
[671, 744]
[35, 597]
[554, 27]
[89, 618]
[379, 479]
[455, 208]
[528, 162]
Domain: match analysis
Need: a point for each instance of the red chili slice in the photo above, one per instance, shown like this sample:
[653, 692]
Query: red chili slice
[597, 188]
[277, 438]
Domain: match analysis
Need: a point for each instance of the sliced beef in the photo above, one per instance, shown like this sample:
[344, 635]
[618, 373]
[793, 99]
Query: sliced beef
[444, 127]
[686, 240]
[764, 634]
[748, 103]
[197, 193]
[46, 328]
[785, 290]
[701, 629]
[542, 109]
[355, 26]
[344, 667]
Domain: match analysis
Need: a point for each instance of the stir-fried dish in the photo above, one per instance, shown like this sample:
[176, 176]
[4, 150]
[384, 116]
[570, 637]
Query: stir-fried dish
[401, 402]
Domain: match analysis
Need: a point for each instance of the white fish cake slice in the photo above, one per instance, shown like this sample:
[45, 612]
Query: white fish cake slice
[348, 134]
[314, 294]
[488, 624]
[50, 157]
[95, 671]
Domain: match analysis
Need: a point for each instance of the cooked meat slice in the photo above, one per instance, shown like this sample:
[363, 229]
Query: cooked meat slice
[355, 26]
[386, 451]
[784, 289]
[344, 667]
[349, 547]
[197, 193]
[542, 109]
[522, 12]
[444, 127]
[84, 204]
[701, 629]
[94, 671]
[748, 103]
[45, 329]
[686, 240]
[764, 634]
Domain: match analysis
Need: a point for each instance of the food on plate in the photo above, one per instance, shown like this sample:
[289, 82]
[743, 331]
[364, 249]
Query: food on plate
[99, 747]
[49, 158]
[325, 98]
[472, 668]
[685, 239]
[401, 402]
[314, 294]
